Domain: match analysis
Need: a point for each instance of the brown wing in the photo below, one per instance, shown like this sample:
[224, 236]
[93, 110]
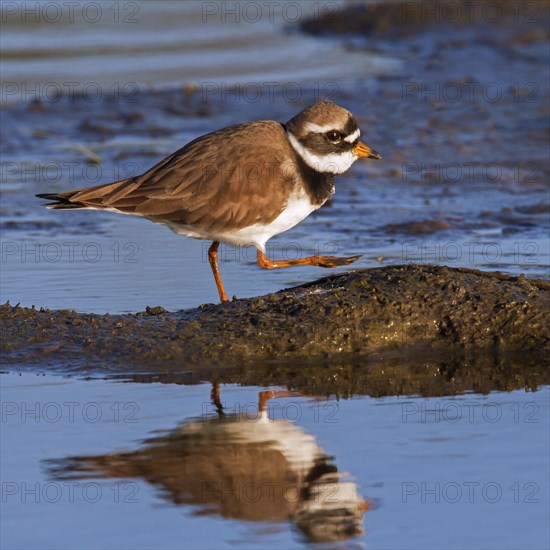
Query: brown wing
[231, 178]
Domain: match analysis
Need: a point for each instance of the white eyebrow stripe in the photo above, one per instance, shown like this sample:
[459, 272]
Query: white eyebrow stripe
[315, 128]
[352, 137]
[312, 127]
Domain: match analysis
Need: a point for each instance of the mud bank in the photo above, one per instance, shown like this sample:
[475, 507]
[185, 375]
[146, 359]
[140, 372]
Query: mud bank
[398, 309]
[402, 19]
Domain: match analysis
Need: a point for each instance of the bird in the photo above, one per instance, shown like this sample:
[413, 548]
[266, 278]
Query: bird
[240, 185]
[242, 465]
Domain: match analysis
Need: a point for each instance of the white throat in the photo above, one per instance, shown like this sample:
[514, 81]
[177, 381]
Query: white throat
[335, 163]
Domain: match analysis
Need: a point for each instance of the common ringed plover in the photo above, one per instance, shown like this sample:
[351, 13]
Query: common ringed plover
[240, 185]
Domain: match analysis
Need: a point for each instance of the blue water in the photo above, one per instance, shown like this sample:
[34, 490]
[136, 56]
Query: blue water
[426, 466]
[163, 43]
[244, 69]
[469, 471]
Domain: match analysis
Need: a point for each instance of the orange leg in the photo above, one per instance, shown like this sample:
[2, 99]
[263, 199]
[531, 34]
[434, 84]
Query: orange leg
[321, 261]
[215, 397]
[213, 259]
[265, 396]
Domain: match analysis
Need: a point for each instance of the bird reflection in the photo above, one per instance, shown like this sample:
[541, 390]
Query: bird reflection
[243, 466]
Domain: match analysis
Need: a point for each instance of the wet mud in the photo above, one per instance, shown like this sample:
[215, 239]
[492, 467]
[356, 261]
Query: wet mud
[400, 20]
[391, 330]
[408, 316]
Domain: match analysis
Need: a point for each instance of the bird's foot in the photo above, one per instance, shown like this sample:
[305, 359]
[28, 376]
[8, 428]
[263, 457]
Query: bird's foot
[334, 261]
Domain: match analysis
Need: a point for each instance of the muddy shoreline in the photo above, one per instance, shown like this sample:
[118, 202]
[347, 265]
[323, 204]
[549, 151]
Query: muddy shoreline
[385, 314]
[391, 330]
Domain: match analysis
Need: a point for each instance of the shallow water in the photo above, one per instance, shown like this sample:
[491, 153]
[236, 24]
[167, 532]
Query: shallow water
[462, 183]
[424, 465]
[105, 264]
[163, 43]
[92, 261]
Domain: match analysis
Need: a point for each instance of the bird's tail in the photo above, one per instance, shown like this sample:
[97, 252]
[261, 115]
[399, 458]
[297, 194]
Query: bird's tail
[100, 196]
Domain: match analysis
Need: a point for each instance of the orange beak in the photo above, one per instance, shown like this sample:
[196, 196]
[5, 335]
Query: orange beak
[364, 151]
[364, 506]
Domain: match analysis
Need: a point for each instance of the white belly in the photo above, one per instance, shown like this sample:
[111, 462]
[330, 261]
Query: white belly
[298, 208]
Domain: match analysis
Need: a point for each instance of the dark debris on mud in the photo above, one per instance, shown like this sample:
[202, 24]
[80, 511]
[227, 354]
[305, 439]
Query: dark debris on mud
[397, 309]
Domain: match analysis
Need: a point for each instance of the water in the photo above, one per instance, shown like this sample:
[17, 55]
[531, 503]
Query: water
[107, 264]
[92, 261]
[152, 456]
[477, 168]
[117, 463]
[163, 43]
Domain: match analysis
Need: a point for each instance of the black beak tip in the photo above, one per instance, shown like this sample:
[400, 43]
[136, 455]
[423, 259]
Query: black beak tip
[375, 155]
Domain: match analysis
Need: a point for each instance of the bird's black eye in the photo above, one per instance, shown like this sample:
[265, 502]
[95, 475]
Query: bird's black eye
[334, 136]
